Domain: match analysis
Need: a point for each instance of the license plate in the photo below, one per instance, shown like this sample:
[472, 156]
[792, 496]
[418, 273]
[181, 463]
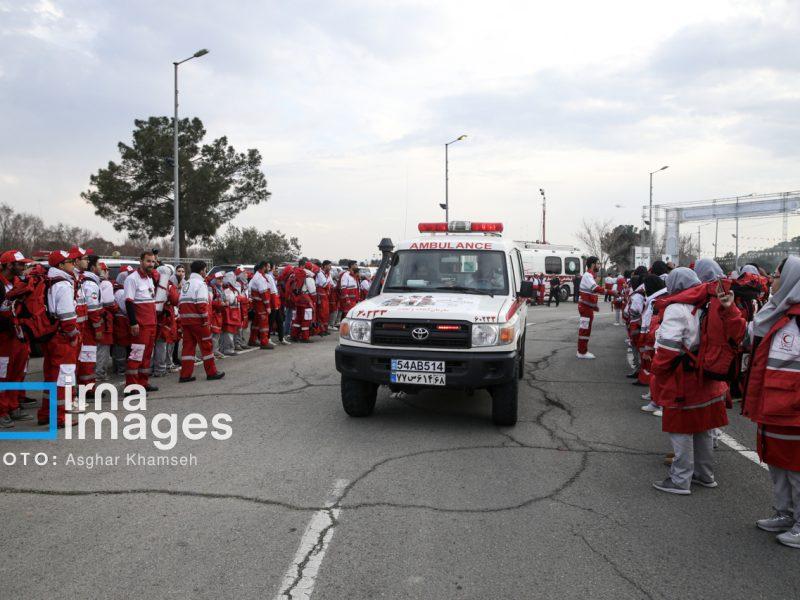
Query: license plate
[418, 366]
[418, 378]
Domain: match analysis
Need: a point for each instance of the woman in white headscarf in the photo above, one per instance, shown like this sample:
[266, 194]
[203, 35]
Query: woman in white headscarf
[167, 332]
[231, 315]
[773, 399]
[692, 405]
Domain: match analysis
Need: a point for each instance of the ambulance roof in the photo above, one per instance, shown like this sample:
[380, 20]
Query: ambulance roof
[458, 235]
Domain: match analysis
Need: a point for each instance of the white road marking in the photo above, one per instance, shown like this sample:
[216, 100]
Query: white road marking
[298, 582]
[744, 451]
[530, 324]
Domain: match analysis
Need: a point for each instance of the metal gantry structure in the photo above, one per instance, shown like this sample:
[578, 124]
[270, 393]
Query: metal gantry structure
[750, 206]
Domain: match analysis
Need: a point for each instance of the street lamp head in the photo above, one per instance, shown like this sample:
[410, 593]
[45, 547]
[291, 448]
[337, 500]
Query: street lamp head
[664, 167]
[462, 137]
[203, 52]
[541, 191]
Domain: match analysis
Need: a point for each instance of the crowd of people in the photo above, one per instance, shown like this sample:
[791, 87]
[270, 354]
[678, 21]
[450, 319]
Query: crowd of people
[152, 320]
[700, 340]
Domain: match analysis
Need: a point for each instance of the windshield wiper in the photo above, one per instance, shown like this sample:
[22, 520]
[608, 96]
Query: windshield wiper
[465, 290]
[402, 288]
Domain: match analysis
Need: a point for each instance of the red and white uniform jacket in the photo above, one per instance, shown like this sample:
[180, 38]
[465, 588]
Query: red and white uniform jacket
[95, 313]
[274, 294]
[193, 301]
[363, 288]
[140, 294]
[773, 393]
[348, 289]
[691, 403]
[588, 291]
[635, 310]
[324, 285]
[61, 301]
[260, 293]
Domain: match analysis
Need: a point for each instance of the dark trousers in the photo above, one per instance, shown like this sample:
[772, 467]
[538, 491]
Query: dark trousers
[554, 295]
[276, 321]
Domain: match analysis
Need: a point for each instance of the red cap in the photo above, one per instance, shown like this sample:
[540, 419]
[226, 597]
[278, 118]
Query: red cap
[219, 274]
[102, 265]
[13, 256]
[77, 252]
[56, 257]
[126, 269]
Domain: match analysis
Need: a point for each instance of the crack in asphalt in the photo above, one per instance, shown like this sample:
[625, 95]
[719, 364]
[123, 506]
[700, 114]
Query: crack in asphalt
[613, 566]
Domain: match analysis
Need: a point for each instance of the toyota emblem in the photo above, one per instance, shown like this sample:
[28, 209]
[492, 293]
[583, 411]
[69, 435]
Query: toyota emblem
[420, 333]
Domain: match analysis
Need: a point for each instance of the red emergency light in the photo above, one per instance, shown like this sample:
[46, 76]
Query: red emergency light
[425, 227]
[459, 227]
[496, 227]
[448, 328]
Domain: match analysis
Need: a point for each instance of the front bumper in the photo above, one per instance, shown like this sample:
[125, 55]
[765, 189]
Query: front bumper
[473, 370]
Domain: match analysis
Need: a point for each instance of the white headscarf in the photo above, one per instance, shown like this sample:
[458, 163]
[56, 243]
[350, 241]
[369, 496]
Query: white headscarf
[229, 278]
[787, 295]
[681, 278]
[749, 269]
[708, 270]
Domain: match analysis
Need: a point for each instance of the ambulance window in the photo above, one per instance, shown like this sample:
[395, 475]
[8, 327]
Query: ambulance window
[572, 265]
[552, 265]
[516, 269]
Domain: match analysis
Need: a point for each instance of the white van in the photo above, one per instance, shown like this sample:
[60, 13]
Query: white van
[550, 259]
[450, 313]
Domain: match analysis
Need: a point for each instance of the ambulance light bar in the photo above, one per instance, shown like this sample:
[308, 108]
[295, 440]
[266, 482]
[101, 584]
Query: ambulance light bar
[460, 227]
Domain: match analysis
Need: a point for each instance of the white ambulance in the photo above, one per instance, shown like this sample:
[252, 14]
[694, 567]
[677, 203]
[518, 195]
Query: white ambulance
[448, 310]
[552, 259]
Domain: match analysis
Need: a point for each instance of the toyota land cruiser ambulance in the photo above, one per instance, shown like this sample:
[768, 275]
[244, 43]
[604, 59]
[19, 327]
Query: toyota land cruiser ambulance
[447, 310]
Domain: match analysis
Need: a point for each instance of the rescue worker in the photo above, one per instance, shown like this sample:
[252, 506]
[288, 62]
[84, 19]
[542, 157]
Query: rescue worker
[244, 307]
[215, 308]
[260, 297]
[333, 300]
[348, 288]
[608, 285]
[167, 329]
[231, 314]
[140, 307]
[363, 287]
[772, 399]
[93, 326]
[14, 345]
[303, 304]
[555, 291]
[693, 402]
[62, 349]
[106, 340]
[654, 288]
[89, 311]
[324, 286]
[635, 310]
[196, 325]
[277, 312]
[177, 279]
[587, 306]
[122, 325]
[540, 290]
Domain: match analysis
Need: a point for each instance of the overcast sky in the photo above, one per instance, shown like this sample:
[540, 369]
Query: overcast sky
[350, 104]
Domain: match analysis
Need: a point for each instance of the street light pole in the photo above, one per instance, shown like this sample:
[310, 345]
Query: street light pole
[446, 205]
[176, 171]
[652, 224]
[544, 215]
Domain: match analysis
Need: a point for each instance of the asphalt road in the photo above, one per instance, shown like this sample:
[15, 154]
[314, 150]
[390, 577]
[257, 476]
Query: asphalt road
[425, 499]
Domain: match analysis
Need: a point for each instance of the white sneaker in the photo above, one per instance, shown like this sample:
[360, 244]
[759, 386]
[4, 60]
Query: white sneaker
[658, 413]
[616, 324]
[286, 342]
[650, 407]
[587, 356]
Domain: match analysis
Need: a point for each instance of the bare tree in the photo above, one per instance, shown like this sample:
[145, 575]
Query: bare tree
[595, 235]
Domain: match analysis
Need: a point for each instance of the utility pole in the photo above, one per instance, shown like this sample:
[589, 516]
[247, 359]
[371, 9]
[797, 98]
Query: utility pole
[446, 205]
[544, 216]
[652, 225]
[699, 247]
[716, 236]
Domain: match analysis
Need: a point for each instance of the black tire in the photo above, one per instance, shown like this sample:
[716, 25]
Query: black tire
[358, 397]
[521, 368]
[504, 401]
[563, 294]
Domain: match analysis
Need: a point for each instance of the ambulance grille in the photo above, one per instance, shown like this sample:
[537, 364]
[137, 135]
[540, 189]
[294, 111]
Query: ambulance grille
[441, 334]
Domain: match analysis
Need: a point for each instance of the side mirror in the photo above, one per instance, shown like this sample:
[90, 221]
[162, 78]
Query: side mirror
[526, 289]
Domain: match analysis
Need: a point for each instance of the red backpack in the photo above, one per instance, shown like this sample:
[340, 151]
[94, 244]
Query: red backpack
[716, 356]
[29, 306]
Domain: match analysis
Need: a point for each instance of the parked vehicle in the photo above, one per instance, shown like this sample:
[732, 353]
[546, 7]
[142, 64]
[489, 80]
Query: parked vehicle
[550, 259]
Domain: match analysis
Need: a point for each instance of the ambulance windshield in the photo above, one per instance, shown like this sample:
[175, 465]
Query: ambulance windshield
[459, 271]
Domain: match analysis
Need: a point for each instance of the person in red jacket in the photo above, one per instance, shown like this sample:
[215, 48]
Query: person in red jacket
[260, 296]
[693, 400]
[14, 345]
[231, 314]
[61, 351]
[167, 330]
[106, 339]
[196, 324]
[324, 286]
[772, 399]
[587, 306]
[140, 306]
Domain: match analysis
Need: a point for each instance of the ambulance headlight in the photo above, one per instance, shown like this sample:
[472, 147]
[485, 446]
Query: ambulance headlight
[484, 335]
[357, 330]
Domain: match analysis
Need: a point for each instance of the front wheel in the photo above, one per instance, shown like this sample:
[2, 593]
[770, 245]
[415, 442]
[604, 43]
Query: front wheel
[504, 400]
[358, 397]
[563, 294]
